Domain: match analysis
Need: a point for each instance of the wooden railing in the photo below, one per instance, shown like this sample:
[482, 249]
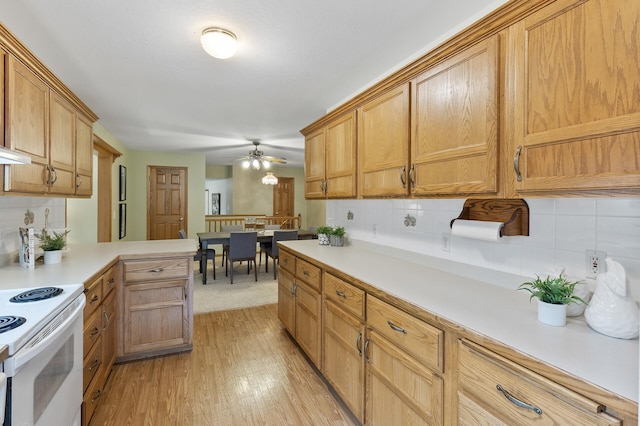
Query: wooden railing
[214, 223]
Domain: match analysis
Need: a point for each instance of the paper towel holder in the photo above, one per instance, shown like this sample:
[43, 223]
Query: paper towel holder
[513, 212]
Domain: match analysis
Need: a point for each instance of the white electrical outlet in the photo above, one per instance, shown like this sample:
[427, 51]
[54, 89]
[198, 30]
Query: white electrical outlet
[375, 230]
[446, 241]
[595, 263]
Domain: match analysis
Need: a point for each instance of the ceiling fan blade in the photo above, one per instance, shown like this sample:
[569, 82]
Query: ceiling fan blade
[274, 159]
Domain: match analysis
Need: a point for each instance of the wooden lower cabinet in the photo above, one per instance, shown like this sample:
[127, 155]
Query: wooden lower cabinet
[299, 303]
[493, 390]
[99, 338]
[157, 310]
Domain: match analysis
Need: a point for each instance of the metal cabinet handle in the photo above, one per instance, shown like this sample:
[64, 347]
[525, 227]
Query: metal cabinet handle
[98, 395]
[111, 281]
[358, 341]
[366, 346]
[105, 315]
[402, 177]
[78, 180]
[396, 328]
[156, 270]
[94, 332]
[518, 402]
[305, 273]
[94, 298]
[341, 294]
[412, 170]
[94, 364]
[54, 175]
[516, 163]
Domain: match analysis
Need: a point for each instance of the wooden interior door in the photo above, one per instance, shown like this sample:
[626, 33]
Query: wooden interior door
[166, 201]
[283, 197]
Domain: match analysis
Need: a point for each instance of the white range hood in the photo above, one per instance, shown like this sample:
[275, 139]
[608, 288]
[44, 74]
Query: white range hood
[8, 156]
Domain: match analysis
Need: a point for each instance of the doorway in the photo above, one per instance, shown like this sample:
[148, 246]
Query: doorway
[283, 197]
[166, 202]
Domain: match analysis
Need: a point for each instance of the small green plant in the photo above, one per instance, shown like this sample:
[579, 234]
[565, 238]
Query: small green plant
[557, 291]
[338, 231]
[326, 230]
[51, 240]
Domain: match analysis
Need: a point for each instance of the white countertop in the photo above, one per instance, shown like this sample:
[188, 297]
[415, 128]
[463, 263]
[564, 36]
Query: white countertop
[492, 309]
[81, 261]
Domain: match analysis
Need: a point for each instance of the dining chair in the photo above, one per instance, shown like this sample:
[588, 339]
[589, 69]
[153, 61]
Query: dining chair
[225, 247]
[273, 251]
[211, 254]
[265, 244]
[242, 246]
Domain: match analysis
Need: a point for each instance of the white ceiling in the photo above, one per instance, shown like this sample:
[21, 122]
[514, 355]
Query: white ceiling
[139, 66]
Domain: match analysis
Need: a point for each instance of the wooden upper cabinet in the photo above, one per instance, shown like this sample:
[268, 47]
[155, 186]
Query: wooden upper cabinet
[340, 155]
[574, 70]
[314, 174]
[383, 144]
[330, 159]
[84, 155]
[454, 139]
[62, 116]
[26, 127]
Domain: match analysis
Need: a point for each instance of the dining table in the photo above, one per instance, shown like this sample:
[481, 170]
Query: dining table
[209, 238]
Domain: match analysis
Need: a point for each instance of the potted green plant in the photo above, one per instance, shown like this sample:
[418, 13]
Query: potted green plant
[52, 244]
[553, 294]
[323, 235]
[337, 236]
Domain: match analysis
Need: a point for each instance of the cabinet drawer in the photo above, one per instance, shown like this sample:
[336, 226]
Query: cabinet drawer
[92, 327]
[154, 270]
[108, 282]
[344, 295]
[308, 273]
[423, 341]
[287, 261]
[93, 292]
[92, 364]
[482, 371]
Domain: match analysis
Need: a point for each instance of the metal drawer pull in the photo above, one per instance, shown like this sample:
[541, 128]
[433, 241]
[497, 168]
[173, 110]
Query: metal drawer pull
[94, 332]
[96, 362]
[94, 298]
[518, 402]
[358, 344]
[396, 328]
[98, 395]
[105, 315]
[341, 294]
[156, 270]
[305, 273]
[516, 163]
[111, 281]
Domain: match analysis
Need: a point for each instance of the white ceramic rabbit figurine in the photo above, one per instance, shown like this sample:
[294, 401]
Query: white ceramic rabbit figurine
[611, 311]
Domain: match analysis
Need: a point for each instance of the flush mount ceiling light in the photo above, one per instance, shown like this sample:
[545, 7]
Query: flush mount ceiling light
[270, 179]
[219, 43]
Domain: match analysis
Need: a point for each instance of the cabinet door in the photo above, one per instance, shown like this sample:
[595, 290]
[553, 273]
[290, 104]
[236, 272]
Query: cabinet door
[62, 116]
[340, 154]
[400, 390]
[286, 301]
[454, 143]
[383, 144]
[27, 128]
[314, 162]
[155, 316]
[342, 356]
[109, 332]
[575, 68]
[84, 155]
[308, 310]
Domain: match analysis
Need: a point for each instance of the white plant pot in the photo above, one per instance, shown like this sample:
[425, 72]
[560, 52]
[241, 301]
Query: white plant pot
[323, 239]
[52, 256]
[551, 314]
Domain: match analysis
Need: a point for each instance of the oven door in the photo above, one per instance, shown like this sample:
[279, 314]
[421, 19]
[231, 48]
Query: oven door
[46, 375]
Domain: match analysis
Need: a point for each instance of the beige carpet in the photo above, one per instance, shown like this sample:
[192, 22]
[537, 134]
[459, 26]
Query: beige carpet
[221, 295]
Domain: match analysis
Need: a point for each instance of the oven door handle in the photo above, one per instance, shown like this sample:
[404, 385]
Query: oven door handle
[35, 348]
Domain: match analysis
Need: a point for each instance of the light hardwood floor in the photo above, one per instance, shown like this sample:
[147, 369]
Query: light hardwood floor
[244, 370]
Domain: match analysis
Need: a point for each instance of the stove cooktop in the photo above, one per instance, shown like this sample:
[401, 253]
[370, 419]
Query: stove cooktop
[36, 313]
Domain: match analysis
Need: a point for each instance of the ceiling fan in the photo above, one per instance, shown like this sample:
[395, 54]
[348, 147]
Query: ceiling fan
[258, 160]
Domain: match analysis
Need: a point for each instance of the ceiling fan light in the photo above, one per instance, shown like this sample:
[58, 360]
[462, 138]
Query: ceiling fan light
[266, 164]
[256, 164]
[219, 43]
[270, 179]
[246, 164]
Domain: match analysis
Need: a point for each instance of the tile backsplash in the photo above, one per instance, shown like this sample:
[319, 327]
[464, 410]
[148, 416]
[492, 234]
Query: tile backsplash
[12, 212]
[561, 230]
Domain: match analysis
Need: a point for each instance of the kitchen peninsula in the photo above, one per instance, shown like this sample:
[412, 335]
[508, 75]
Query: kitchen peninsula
[475, 330]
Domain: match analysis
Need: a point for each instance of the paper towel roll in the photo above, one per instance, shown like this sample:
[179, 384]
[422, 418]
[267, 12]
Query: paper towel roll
[477, 229]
